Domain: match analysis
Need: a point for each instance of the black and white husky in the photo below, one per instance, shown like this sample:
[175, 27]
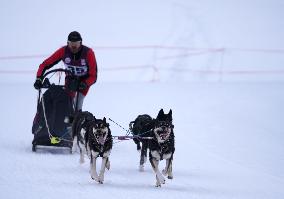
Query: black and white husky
[79, 128]
[162, 146]
[99, 144]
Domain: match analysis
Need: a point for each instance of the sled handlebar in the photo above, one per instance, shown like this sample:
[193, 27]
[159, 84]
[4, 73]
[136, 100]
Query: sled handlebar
[56, 70]
[46, 83]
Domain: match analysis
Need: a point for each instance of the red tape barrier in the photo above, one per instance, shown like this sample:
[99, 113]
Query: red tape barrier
[191, 52]
[195, 51]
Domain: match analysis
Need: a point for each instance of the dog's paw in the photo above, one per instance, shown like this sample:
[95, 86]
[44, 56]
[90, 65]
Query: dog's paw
[95, 177]
[141, 168]
[82, 160]
[101, 179]
[73, 151]
[145, 159]
[108, 165]
[161, 179]
[170, 177]
[74, 145]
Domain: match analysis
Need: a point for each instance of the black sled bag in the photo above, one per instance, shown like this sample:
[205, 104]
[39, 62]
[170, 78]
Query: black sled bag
[57, 105]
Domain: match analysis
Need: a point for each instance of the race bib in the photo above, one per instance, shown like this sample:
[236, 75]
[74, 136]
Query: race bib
[77, 70]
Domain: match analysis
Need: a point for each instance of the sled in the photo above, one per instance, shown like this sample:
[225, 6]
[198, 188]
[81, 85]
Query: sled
[53, 106]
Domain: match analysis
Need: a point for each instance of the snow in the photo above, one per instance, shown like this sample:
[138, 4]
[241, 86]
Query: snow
[228, 126]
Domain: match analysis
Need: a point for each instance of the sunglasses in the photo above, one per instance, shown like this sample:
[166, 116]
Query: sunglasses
[74, 43]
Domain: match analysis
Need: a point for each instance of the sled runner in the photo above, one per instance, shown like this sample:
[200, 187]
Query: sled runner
[53, 106]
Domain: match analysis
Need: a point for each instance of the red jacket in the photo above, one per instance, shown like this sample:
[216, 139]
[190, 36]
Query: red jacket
[82, 63]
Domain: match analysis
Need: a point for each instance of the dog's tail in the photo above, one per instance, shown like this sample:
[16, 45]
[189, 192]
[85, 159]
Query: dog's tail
[131, 125]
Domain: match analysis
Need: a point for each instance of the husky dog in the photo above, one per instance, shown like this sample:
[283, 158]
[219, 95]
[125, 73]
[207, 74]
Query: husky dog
[162, 146]
[141, 128]
[79, 128]
[99, 144]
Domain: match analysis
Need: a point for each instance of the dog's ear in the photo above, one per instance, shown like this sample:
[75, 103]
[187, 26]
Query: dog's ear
[95, 118]
[170, 114]
[161, 114]
[105, 122]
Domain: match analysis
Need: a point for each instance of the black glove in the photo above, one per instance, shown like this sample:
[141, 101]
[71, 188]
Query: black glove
[83, 86]
[38, 83]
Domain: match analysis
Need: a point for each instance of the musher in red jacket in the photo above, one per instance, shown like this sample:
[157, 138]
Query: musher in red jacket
[77, 58]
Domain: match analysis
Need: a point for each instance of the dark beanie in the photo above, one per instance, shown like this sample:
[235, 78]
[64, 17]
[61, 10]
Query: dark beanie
[74, 36]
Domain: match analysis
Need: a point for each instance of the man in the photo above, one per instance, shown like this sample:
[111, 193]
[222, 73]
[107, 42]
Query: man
[77, 58]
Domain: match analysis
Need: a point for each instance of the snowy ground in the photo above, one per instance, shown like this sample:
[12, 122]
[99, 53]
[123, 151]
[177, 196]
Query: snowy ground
[229, 143]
